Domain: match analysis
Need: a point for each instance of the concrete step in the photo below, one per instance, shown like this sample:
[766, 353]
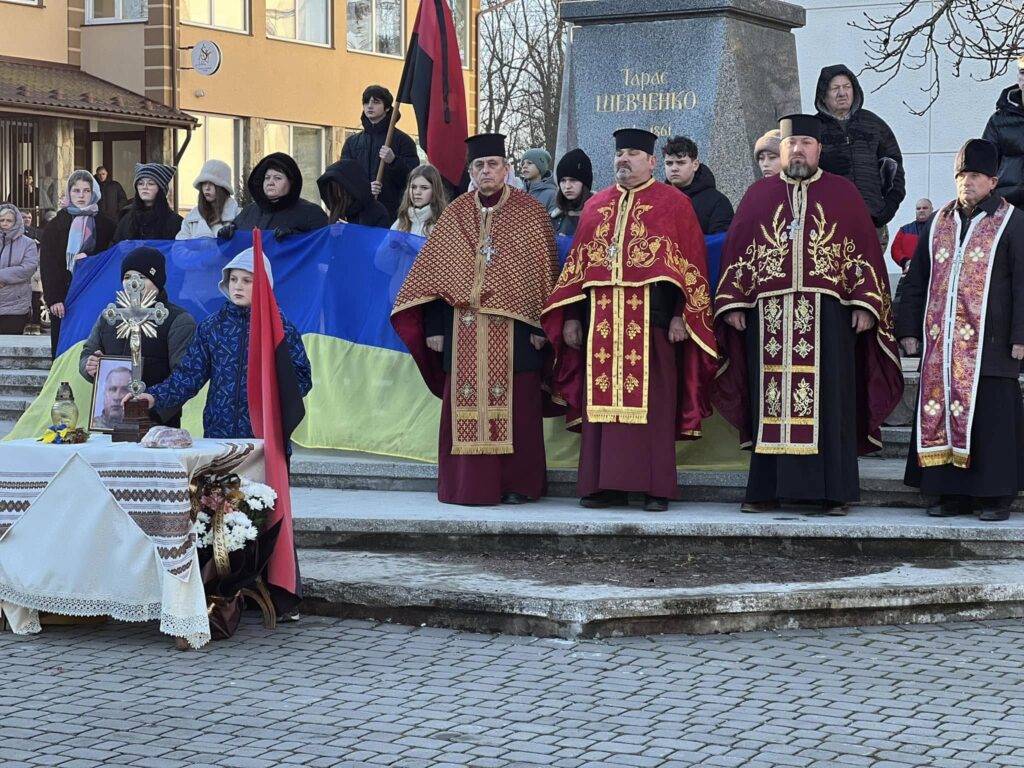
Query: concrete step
[881, 478]
[27, 381]
[23, 352]
[895, 442]
[12, 406]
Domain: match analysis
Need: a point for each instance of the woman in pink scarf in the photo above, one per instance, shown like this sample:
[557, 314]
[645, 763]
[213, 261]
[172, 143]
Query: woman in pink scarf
[77, 231]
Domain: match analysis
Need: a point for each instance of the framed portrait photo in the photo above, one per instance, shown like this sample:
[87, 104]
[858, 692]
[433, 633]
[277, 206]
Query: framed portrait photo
[113, 382]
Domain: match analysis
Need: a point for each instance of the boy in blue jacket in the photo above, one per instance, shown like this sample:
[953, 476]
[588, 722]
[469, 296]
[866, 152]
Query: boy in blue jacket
[219, 354]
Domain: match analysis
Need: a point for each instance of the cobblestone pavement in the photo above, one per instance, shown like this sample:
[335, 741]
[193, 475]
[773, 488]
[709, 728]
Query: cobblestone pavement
[348, 693]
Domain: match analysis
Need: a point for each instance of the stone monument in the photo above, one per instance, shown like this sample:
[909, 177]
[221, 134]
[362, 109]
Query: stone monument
[719, 71]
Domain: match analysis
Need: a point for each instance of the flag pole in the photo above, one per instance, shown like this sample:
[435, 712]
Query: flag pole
[394, 106]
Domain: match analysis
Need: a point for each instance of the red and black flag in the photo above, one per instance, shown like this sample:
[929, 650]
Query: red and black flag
[275, 409]
[432, 83]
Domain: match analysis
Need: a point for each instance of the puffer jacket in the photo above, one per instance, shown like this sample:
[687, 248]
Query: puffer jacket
[1005, 129]
[219, 354]
[194, 226]
[290, 213]
[19, 257]
[544, 191]
[854, 148]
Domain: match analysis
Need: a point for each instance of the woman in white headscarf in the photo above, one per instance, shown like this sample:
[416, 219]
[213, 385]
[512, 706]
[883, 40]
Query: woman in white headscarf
[77, 231]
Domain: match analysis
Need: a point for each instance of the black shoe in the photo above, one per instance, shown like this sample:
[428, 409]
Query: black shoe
[951, 506]
[994, 515]
[514, 498]
[835, 508]
[760, 506]
[605, 499]
[655, 504]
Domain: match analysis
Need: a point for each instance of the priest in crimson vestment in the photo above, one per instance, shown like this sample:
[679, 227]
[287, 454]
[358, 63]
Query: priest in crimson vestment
[804, 323]
[966, 305]
[630, 322]
[469, 312]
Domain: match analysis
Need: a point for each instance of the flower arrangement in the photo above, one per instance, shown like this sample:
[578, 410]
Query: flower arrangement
[240, 502]
[60, 434]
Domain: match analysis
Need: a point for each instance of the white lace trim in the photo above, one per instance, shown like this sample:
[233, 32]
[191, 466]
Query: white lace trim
[195, 629]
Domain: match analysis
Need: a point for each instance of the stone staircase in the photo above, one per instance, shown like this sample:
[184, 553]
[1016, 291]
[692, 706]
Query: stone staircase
[24, 366]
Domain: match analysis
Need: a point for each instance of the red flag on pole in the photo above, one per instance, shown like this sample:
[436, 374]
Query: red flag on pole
[432, 83]
[275, 410]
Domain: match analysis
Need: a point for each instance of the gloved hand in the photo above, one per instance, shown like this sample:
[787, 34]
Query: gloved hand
[282, 232]
[226, 232]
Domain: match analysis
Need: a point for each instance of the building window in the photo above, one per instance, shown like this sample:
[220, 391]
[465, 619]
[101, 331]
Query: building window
[305, 144]
[460, 15]
[376, 26]
[216, 138]
[307, 21]
[223, 14]
[105, 11]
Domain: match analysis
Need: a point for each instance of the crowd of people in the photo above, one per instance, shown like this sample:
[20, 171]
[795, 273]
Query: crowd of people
[797, 346]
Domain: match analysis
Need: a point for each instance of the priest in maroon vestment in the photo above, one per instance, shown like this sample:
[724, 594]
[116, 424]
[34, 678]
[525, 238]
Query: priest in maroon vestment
[803, 318]
[630, 322]
[469, 312]
[963, 298]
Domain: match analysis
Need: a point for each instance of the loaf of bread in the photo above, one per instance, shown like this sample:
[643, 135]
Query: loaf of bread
[167, 437]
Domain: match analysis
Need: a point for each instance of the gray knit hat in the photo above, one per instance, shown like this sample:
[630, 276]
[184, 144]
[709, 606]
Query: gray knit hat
[216, 172]
[770, 142]
[160, 174]
[540, 158]
[243, 260]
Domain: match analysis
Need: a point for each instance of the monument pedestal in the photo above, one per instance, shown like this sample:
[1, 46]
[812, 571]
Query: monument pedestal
[719, 71]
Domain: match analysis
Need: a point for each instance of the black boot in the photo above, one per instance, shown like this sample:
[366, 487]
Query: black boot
[951, 506]
[995, 508]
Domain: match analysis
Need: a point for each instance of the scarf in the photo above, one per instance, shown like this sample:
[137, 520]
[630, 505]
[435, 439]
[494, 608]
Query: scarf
[82, 235]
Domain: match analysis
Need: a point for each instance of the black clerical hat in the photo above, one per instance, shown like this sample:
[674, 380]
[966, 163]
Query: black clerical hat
[635, 138]
[800, 125]
[486, 145]
[979, 156]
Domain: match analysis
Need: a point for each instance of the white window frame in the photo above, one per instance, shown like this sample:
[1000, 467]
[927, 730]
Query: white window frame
[373, 32]
[239, 143]
[468, 9]
[330, 36]
[119, 5]
[291, 142]
[246, 30]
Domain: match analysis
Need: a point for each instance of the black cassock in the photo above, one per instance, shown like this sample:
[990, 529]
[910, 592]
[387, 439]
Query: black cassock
[830, 474]
[997, 432]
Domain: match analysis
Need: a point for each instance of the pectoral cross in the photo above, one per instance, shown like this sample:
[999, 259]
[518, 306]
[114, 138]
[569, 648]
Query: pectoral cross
[487, 251]
[794, 228]
[136, 313]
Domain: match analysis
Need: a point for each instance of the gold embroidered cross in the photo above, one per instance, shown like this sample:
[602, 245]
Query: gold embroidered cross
[467, 391]
[497, 391]
[467, 318]
[602, 355]
[487, 250]
[634, 302]
[603, 302]
[633, 357]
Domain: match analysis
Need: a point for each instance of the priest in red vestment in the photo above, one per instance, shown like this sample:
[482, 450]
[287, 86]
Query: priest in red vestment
[469, 312]
[630, 322]
[804, 323]
[963, 298]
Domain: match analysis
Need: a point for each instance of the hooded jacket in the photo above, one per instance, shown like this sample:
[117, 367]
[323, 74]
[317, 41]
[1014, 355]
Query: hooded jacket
[544, 191]
[854, 148]
[1005, 129]
[219, 354]
[364, 147]
[19, 257]
[713, 209]
[289, 213]
[363, 209]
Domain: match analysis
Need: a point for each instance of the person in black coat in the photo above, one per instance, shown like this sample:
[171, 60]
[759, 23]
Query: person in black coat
[76, 232]
[275, 185]
[345, 191]
[114, 198]
[161, 353]
[858, 145]
[367, 148]
[148, 216]
[575, 178]
[695, 180]
[989, 477]
[1005, 129]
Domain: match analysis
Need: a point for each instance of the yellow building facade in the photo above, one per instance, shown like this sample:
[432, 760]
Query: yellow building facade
[290, 79]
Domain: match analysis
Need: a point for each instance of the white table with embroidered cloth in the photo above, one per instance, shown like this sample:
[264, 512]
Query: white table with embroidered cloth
[104, 529]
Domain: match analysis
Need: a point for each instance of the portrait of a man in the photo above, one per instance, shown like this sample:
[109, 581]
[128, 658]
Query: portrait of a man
[113, 382]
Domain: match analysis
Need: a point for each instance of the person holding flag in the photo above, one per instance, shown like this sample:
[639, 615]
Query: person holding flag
[256, 364]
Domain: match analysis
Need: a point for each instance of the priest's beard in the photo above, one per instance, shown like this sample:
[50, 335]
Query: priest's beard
[799, 169]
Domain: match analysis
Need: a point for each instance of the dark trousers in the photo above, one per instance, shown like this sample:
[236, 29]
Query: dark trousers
[54, 334]
[13, 325]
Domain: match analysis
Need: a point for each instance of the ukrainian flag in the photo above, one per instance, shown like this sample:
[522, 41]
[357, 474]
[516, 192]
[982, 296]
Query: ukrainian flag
[337, 285]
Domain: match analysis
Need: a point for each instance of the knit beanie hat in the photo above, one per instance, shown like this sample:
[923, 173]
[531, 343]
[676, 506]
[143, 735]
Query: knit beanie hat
[243, 261]
[160, 174]
[770, 142]
[148, 262]
[540, 158]
[576, 165]
[216, 172]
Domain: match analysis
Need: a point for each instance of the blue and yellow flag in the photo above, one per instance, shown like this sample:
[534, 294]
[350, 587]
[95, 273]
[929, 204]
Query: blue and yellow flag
[337, 285]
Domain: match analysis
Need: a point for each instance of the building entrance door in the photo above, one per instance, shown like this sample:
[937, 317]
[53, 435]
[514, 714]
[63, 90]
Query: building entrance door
[118, 153]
